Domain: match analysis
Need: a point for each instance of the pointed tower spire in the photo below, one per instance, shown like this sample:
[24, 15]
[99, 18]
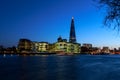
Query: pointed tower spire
[72, 38]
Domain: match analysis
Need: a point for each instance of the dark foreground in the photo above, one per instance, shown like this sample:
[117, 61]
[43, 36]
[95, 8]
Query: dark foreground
[77, 67]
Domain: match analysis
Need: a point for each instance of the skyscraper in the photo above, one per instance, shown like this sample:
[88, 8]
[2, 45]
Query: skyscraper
[72, 38]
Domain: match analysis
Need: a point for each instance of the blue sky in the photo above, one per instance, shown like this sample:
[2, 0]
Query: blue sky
[46, 20]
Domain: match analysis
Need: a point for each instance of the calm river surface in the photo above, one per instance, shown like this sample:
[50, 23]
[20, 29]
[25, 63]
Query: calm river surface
[79, 67]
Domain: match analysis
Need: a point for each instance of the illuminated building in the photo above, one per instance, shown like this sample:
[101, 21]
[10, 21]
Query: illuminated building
[51, 48]
[25, 45]
[73, 48]
[41, 46]
[66, 47]
[72, 38]
[61, 45]
[35, 46]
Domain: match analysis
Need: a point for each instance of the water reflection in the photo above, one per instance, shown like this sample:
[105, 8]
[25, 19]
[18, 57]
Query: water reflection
[60, 67]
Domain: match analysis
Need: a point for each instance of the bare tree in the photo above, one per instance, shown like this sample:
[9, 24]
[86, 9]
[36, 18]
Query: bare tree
[112, 18]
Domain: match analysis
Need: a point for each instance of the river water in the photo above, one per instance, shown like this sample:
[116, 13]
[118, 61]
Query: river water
[78, 67]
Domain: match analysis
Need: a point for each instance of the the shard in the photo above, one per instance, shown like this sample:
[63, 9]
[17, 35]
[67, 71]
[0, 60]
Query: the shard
[72, 38]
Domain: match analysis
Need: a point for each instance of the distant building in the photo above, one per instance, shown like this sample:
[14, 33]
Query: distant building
[87, 48]
[41, 46]
[52, 48]
[35, 46]
[1, 49]
[73, 48]
[95, 50]
[62, 46]
[119, 48]
[105, 50]
[25, 45]
[72, 37]
[87, 45]
[61, 40]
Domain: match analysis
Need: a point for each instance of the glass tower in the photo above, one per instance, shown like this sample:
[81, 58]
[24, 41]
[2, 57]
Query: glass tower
[72, 38]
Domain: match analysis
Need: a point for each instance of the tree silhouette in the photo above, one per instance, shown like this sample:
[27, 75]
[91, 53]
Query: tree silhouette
[112, 18]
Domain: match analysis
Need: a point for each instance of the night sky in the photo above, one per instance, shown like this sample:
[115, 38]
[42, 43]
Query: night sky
[46, 20]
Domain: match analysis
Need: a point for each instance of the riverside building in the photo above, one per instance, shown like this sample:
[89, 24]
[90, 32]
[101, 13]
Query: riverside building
[25, 45]
[41, 46]
[62, 46]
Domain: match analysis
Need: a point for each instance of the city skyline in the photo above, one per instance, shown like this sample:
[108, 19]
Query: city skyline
[46, 20]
